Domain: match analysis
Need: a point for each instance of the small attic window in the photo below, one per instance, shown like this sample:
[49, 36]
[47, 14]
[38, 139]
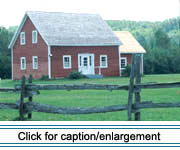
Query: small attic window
[22, 38]
[34, 36]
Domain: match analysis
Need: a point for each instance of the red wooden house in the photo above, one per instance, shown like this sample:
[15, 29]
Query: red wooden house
[55, 44]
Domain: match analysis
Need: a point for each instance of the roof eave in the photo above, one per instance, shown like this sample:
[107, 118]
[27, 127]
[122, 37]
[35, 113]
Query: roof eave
[132, 52]
[85, 44]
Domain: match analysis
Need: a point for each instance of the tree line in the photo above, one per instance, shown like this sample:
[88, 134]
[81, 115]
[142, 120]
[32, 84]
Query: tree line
[160, 40]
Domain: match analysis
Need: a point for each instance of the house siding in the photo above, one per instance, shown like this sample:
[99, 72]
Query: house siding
[129, 57]
[28, 50]
[57, 52]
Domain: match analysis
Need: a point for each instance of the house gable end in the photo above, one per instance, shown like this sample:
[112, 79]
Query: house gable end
[19, 29]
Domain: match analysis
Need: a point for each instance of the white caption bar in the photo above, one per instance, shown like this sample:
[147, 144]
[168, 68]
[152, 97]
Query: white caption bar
[89, 134]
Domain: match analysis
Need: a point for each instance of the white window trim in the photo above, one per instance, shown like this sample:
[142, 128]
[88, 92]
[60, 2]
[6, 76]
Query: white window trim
[24, 63]
[34, 41]
[106, 66]
[125, 62]
[33, 63]
[69, 56]
[21, 41]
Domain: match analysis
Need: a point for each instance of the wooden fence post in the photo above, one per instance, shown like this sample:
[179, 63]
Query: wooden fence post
[137, 90]
[131, 87]
[30, 97]
[21, 106]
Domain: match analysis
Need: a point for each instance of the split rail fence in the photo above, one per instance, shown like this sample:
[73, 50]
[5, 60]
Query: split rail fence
[134, 104]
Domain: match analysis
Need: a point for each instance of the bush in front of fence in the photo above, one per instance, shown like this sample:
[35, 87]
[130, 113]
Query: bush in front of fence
[44, 77]
[126, 72]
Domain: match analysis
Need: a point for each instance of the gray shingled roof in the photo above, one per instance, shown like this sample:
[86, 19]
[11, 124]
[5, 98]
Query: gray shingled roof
[71, 29]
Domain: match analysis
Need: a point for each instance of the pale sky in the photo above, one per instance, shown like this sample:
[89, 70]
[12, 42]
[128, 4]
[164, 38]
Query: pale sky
[12, 11]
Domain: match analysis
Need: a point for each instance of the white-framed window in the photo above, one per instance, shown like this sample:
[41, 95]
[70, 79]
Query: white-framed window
[23, 63]
[22, 38]
[35, 62]
[34, 36]
[123, 62]
[103, 61]
[67, 61]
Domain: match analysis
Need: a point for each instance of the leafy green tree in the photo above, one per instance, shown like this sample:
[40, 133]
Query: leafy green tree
[161, 39]
[5, 53]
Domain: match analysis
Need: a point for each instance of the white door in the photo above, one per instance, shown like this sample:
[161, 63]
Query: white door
[86, 63]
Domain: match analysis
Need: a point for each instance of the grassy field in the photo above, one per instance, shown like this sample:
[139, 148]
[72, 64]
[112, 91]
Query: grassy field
[91, 98]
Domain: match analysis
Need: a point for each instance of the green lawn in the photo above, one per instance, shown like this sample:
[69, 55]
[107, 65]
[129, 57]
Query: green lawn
[91, 98]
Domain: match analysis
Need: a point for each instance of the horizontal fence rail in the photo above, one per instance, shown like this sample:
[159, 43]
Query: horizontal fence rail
[9, 106]
[156, 105]
[158, 85]
[37, 107]
[9, 90]
[69, 87]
